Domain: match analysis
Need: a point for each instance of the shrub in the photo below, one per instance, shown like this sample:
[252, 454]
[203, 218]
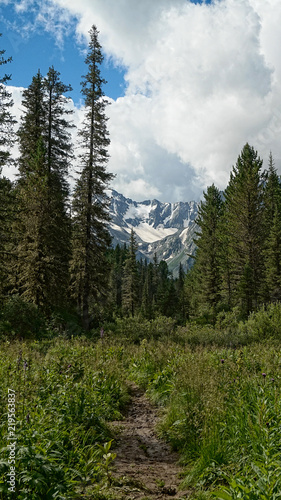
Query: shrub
[263, 324]
[137, 328]
[22, 319]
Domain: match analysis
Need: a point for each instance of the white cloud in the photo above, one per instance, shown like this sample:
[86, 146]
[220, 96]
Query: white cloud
[211, 76]
[202, 81]
[16, 93]
[33, 16]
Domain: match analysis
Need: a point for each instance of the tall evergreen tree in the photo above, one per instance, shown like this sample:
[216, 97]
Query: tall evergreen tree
[32, 270]
[118, 256]
[166, 298]
[182, 309]
[91, 237]
[148, 298]
[57, 135]
[272, 223]
[130, 288]
[6, 222]
[208, 254]
[33, 124]
[43, 249]
[7, 121]
[59, 154]
[244, 216]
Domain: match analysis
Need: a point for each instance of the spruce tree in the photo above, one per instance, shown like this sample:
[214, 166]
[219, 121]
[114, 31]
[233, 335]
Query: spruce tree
[57, 135]
[245, 232]
[91, 238]
[208, 255]
[118, 256]
[43, 224]
[6, 222]
[272, 223]
[33, 124]
[147, 300]
[7, 121]
[182, 309]
[166, 298]
[130, 288]
[59, 154]
[32, 269]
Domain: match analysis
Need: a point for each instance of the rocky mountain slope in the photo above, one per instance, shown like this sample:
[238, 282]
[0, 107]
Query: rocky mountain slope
[166, 229]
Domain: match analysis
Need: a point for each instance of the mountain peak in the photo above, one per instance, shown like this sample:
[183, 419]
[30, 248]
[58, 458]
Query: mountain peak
[166, 229]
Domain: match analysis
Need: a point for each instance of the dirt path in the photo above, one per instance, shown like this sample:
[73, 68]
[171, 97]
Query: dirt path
[145, 465]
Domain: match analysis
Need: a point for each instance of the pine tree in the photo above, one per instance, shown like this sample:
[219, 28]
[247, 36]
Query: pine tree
[245, 233]
[43, 224]
[166, 298]
[32, 270]
[147, 295]
[6, 221]
[91, 238]
[191, 293]
[6, 192]
[57, 136]
[182, 309]
[118, 256]
[7, 121]
[33, 124]
[59, 154]
[272, 223]
[208, 254]
[130, 288]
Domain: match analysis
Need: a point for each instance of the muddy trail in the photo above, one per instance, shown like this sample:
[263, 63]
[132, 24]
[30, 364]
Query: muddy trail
[145, 467]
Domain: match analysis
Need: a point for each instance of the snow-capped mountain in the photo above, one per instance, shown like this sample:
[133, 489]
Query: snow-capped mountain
[166, 229]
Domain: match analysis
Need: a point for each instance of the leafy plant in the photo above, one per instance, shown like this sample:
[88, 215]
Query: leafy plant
[108, 458]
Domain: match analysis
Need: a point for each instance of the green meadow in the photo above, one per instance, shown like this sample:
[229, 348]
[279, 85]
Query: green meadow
[217, 388]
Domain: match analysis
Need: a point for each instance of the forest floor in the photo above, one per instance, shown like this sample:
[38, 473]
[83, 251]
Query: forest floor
[145, 467]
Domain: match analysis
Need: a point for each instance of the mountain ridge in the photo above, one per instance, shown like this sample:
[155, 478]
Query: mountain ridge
[164, 228]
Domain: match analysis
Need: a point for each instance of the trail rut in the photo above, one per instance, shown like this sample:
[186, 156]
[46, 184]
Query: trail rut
[145, 466]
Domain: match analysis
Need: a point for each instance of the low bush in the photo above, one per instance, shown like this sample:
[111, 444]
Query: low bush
[135, 329]
[21, 319]
[65, 395]
[263, 324]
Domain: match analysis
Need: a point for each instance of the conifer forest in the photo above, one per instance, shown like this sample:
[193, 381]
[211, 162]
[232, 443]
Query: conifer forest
[88, 330]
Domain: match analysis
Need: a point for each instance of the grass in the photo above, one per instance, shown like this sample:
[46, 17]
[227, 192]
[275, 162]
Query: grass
[65, 393]
[220, 404]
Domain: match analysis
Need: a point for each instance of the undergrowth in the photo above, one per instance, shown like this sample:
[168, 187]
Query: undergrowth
[220, 402]
[65, 393]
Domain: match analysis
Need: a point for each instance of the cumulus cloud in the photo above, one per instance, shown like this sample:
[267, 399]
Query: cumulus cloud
[32, 16]
[16, 93]
[202, 80]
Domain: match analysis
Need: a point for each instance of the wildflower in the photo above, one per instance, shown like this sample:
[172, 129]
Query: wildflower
[264, 375]
[272, 380]
[222, 361]
[19, 358]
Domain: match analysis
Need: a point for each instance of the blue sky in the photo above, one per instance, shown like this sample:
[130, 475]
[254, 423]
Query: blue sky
[40, 50]
[189, 82]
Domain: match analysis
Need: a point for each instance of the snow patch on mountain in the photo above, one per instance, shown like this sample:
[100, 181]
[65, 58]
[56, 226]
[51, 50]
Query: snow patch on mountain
[149, 234]
[166, 229]
[138, 211]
